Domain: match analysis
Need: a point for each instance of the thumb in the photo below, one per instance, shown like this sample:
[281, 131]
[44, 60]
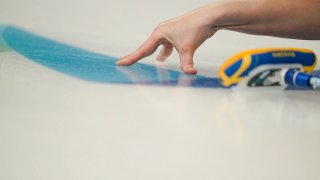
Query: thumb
[186, 60]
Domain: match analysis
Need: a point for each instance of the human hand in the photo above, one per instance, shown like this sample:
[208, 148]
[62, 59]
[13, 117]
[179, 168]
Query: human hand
[260, 17]
[184, 34]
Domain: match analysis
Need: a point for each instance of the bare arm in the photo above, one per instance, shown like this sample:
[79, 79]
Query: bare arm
[298, 19]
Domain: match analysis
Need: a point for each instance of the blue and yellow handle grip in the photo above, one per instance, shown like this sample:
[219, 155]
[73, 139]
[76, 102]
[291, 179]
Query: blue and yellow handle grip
[239, 66]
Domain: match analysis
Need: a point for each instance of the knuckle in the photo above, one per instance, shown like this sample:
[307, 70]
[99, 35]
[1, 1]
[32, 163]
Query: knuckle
[157, 29]
[161, 24]
[188, 62]
[160, 29]
[187, 49]
[155, 35]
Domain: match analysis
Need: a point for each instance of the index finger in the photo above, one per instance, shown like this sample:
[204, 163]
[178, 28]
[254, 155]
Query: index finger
[146, 49]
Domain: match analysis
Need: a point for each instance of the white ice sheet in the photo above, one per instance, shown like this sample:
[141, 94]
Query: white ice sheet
[54, 126]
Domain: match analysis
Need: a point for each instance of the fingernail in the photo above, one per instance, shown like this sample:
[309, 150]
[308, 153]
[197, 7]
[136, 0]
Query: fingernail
[190, 69]
[120, 62]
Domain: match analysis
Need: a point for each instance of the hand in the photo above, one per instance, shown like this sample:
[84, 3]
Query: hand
[185, 34]
[260, 17]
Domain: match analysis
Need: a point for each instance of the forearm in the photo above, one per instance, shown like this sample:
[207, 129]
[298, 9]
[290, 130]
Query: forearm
[298, 19]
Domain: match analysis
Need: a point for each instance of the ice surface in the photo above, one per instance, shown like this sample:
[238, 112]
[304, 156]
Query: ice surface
[55, 126]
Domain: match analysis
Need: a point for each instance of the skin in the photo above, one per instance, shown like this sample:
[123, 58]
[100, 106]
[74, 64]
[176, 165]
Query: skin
[297, 19]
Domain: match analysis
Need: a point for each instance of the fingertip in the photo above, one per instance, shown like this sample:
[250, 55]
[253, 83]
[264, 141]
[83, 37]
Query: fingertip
[190, 70]
[119, 63]
[160, 58]
[123, 62]
[127, 60]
